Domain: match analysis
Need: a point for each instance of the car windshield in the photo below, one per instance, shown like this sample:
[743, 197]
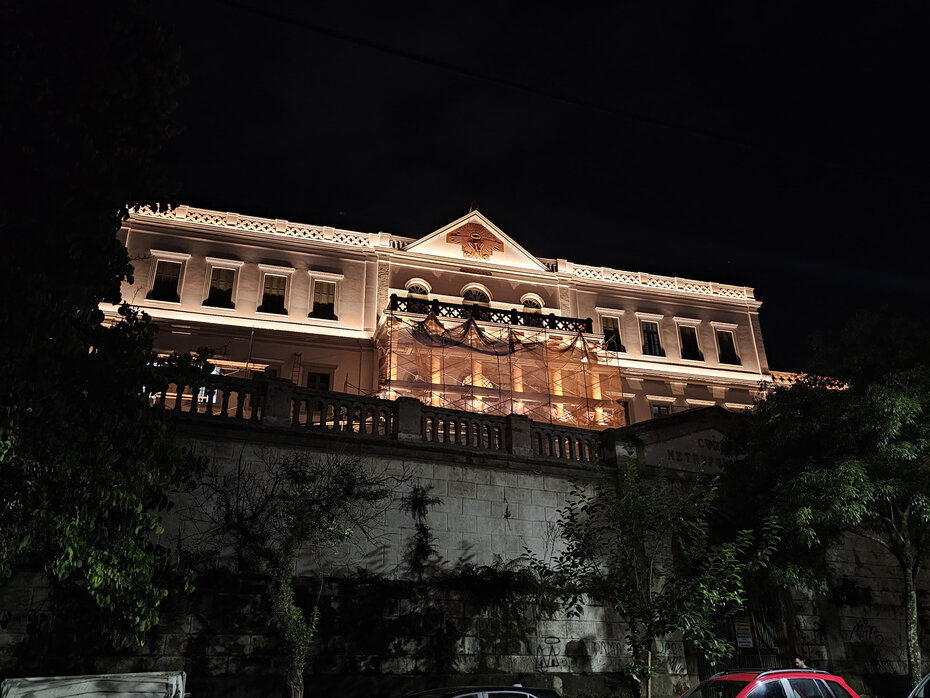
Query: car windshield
[717, 689]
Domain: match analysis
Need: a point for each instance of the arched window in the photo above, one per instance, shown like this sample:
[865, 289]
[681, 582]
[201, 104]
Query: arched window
[532, 303]
[476, 296]
[418, 286]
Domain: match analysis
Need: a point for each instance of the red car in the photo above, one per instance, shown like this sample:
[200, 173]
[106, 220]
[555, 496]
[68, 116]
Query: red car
[772, 683]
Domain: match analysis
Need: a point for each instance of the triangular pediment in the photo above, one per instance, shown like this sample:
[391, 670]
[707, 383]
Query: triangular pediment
[476, 240]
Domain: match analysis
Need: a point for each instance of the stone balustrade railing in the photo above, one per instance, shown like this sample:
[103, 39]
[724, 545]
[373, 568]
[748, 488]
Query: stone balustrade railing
[220, 397]
[326, 411]
[664, 283]
[276, 402]
[439, 425]
[557, 441]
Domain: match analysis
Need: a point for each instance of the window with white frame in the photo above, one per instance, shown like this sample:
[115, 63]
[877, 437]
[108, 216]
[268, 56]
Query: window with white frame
[222, 282]
[324, 300]
[652, 341]
[323, 289]
[726, 344]
[274, 288]
[688, 339]
[167, 276]
[611, 328]
[274, 292]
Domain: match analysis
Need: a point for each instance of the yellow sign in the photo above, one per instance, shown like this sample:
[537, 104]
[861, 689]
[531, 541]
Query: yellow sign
[743, 632]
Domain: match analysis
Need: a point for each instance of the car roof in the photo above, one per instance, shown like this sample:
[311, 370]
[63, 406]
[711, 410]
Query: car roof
[750, 674]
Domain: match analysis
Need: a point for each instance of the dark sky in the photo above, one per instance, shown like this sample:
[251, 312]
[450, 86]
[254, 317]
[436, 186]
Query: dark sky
[783, 147]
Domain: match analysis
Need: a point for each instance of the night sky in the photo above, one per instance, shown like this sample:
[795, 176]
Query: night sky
[783, 147]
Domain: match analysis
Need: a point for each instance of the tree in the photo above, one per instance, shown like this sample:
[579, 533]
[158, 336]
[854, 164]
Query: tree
[84, 461]
[828, 459]
[301, 503]
[421, 548]
[644, 548]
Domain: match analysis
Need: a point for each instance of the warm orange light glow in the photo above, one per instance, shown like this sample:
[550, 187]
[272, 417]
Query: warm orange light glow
[477, 241]
[487, 368]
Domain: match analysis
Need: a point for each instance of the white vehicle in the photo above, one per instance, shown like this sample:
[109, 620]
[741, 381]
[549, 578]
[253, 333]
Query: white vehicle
[154, 684]
[921, 690]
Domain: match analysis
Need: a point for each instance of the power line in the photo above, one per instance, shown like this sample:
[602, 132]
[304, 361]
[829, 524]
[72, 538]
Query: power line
[632, 117]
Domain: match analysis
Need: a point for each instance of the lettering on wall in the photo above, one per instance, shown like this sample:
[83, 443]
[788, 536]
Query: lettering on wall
[692, 452]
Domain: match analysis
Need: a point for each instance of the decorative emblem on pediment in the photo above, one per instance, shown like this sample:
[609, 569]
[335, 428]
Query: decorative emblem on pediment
[477, 241]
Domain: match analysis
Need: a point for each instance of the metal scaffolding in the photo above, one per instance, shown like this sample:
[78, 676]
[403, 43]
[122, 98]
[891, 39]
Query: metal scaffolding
[499, 369]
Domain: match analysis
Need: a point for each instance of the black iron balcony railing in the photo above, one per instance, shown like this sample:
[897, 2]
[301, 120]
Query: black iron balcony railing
[480, 313]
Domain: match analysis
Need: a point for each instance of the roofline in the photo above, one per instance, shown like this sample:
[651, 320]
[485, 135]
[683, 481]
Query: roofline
[490, 225]
[710, 414]
[562, 268]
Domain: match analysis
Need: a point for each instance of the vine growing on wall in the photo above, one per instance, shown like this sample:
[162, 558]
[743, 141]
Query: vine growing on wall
[424, 619]
[303, 502]
[421, 548]
[644, 548]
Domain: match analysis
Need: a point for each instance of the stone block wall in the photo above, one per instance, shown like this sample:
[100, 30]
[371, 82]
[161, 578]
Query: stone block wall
[396, 635]
[857, 628]
[220, 636]
[493, 508]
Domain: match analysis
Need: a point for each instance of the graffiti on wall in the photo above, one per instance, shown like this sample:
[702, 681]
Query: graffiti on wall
[864, 631]
[548, 653]
[554, 653]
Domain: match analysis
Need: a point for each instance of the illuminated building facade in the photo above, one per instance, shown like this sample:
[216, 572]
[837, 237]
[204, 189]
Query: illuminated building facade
[463, 318]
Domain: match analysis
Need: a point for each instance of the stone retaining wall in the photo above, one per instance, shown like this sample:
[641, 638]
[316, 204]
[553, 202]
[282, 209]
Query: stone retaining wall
[494, 506]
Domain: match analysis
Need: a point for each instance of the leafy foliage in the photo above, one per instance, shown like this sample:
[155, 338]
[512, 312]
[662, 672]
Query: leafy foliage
[421, 548]
[828, 459]
[497, 597]
[84, 462]
[645, 549]
[298, 503]
[100, 442]
[425, 620]
[780, 457]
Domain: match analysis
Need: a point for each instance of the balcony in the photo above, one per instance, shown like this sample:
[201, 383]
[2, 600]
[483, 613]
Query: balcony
[279, 404]
[479, 313]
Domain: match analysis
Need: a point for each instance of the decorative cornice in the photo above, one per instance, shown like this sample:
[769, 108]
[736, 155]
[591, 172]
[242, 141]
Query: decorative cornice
[662, 283]
[283, 228]
[269, 226]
